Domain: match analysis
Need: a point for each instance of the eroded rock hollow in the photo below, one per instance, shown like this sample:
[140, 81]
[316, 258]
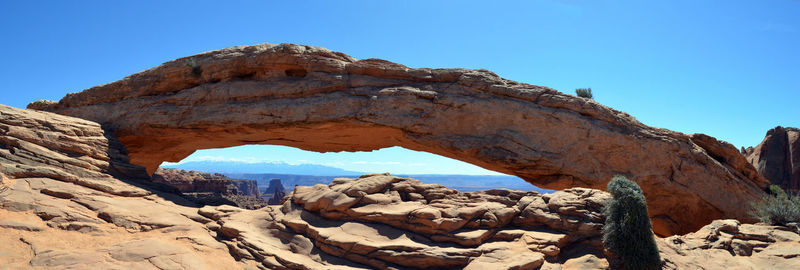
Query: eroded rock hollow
[315, 99]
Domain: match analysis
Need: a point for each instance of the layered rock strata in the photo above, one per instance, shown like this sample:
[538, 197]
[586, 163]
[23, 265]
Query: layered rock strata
[388, 222]
[778, 157]
[70, 200]
[212, 189]
[728, 244]
[315, 99]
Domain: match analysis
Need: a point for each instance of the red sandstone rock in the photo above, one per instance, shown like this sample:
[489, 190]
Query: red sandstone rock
[212, 189]
[778, 157]
[319, 100]
[194, 181]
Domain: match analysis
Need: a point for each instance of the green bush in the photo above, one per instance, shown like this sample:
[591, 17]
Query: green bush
[777, 208]
[584, 92]
[628, 233]
[196, 69]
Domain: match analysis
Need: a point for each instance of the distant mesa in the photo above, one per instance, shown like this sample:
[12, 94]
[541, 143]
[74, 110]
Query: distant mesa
[212, 189]
[276, 191]
[274, 186]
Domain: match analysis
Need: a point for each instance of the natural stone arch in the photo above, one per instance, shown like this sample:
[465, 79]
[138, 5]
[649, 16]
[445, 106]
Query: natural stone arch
[319, 100]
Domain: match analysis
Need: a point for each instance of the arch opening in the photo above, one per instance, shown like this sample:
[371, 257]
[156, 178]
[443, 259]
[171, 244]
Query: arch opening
[299, 167]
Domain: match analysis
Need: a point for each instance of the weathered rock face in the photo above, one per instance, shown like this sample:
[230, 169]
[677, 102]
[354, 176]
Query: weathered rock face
[388, 222]
[319, 100]
[778, 157]
[38, 144]
[728, 244]
[194, 181]
[69, 200]
[247, 187]
[212, 189]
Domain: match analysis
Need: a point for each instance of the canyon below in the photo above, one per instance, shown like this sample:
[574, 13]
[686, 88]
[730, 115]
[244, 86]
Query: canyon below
[81, 186]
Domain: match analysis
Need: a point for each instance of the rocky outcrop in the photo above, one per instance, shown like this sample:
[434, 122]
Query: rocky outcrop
[276, 192]
[36, 144]
[319, 100]
[70, 200]
[778, 157]
[388, 222]
[212, 189]
[194, 181]
[247, 187]
[275, 184]
[65, 204]
[728, 244]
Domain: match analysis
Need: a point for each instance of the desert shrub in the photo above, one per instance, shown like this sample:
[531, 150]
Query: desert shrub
[584, 92]
[777, 208]
[628, 233]
[196, 69]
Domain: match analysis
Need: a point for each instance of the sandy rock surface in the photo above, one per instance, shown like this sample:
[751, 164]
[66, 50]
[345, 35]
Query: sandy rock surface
[728, 244]
[70, 200]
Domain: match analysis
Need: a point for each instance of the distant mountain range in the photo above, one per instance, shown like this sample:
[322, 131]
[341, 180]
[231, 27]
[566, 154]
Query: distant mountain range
[235, 167]
[312, 174]
[463, 183]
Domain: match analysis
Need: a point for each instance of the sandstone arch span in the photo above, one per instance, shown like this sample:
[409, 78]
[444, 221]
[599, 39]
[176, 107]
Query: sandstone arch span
[319, 100]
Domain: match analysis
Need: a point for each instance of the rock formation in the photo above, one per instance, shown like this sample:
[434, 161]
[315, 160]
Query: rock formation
[276, 192]
[69, 200]
[247, 187]
[275, 184]
[728, 244]
[212, 189]
[315, 99]
[778, 157]
[194, 181]
[388, 222]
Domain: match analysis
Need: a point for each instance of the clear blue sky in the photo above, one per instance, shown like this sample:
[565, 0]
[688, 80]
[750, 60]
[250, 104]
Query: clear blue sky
[730, 69]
